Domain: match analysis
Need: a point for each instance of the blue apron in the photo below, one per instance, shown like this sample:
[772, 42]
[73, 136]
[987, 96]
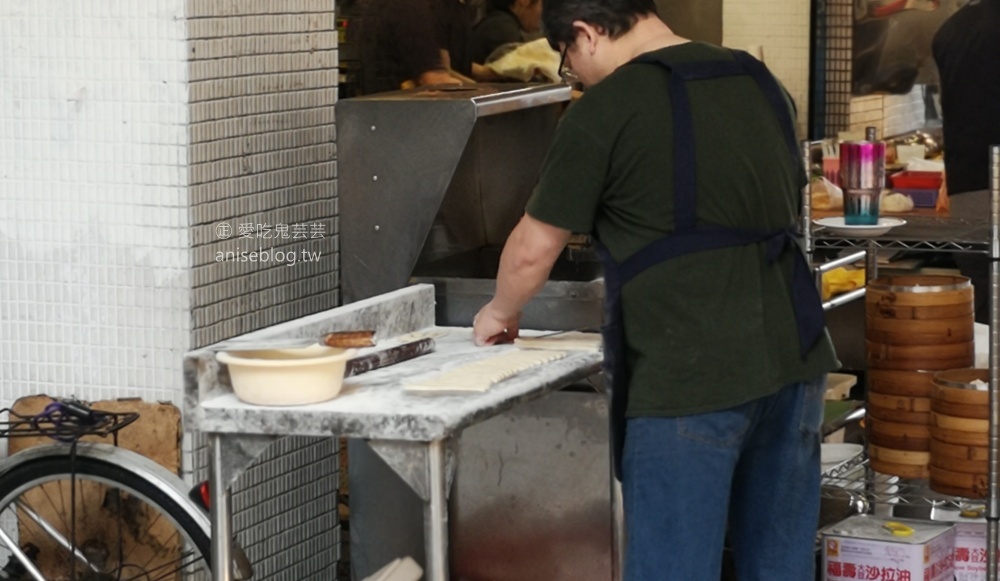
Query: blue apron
[688, 237]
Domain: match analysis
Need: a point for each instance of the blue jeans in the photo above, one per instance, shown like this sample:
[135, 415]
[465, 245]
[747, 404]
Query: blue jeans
[754, 467]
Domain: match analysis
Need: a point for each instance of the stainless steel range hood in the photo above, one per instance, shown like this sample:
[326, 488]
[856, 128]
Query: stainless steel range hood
[432, 174]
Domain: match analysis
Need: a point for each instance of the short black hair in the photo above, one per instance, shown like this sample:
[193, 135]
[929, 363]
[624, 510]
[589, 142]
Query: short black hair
[615, 17]
[492, 5]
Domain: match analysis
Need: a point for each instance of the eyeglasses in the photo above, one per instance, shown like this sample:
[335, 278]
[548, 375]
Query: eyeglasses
[565, 73]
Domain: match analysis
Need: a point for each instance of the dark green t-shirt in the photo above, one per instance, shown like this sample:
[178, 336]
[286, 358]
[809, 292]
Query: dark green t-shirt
[704, 331]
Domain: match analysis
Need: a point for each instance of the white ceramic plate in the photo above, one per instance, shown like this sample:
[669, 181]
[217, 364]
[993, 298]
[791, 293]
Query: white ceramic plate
[832, 454]
[836, 225]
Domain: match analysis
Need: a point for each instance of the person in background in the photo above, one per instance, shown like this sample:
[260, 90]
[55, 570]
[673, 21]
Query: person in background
[680, 160]
[406, 43]
[967, 49]
[506, 21]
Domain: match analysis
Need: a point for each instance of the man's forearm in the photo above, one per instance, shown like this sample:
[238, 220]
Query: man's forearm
[525, 265]
[517, 283]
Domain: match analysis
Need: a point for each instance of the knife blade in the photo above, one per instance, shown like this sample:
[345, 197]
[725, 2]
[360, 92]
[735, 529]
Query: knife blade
[565, 332]
[390, 356]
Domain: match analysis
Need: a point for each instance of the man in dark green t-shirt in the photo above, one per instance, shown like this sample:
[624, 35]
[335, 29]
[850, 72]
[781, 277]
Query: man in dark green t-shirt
[680, 159]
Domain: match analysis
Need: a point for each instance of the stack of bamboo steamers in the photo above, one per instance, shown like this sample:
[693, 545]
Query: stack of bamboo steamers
[926, 419]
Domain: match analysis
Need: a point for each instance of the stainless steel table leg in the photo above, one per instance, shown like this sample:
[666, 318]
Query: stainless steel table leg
[993, 498]
[617, 530]
[222, 533]
[436, 514]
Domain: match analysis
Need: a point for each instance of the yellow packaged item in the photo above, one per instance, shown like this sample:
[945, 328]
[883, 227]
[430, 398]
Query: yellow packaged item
[841, 280]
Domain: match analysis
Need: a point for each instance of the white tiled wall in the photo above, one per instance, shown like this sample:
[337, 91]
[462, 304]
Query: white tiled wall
[889, 114]
[94, 249]
[904, 113]
[781, 29]
[130, 133]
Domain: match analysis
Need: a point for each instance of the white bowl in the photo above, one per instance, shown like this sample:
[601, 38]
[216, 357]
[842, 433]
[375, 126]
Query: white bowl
[283, 377]
[835, 454]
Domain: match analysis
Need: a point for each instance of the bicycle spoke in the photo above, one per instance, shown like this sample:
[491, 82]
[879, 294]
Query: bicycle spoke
[176, 536]
[62, 505]
[21, 557]
[120, 525]
[55, 535]
[180, 567]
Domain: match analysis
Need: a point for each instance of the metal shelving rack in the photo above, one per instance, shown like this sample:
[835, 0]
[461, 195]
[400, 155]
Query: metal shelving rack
[926, 233]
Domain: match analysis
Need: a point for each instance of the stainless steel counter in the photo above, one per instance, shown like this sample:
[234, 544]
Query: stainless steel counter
[413, 433]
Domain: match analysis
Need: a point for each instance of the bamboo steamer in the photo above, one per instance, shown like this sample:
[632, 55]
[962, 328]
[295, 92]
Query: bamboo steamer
[899, 436]
[899, 416]
[939, 357]
[915, 326]
[946, 330]
[890, 455]
[953, 393]
[960, 424]
[956, 385]
[920, 335]
[900, 402]
[960, 437]
[958, 483]
[900, 312]
[957, 458]
[888, 293]
[913, 319]
[959, 433]
[901, 470]
[901, 382]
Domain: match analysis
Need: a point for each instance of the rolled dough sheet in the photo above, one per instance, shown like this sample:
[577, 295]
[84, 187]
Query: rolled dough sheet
[569, 341]
[480, 375]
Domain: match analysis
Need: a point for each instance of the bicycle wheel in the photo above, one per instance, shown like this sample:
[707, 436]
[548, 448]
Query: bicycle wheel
[89, 519]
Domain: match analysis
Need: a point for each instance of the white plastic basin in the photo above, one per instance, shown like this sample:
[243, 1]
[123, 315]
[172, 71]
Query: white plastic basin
[285, 377]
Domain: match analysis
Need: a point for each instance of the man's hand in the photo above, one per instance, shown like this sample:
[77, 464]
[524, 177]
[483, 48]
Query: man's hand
[491, 326]
[531, 250]
[437, 77]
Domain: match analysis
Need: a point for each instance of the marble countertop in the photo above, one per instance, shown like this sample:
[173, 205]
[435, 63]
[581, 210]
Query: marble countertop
[374, 405]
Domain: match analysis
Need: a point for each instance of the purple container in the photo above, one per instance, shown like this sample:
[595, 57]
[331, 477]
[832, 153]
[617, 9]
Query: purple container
[921, 198]
[862, 165]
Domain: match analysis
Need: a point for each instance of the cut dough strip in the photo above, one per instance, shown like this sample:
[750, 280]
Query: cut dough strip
[481, 375]
[569, 341]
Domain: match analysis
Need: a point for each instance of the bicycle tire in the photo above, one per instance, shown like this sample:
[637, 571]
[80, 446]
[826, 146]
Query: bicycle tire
[25, 475]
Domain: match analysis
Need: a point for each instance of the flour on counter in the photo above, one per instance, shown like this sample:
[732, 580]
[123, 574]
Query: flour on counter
[479, 376]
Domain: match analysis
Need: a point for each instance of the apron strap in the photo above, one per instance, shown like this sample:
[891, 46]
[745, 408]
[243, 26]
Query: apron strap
[685, 175]
[776, 96]
[809, 314]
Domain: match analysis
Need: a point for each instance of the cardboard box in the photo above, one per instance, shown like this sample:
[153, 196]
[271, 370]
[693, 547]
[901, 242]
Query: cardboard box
[970, 551]
[861, 547]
